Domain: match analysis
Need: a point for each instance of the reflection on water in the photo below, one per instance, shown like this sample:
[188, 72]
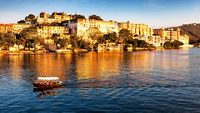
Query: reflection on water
[53, 65]
[93, 65]
[98, 65]
[47, 92]
[146, 81]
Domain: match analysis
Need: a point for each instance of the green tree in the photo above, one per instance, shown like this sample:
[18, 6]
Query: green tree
[84, 45]
[101, 40]
[125, 35]
[142, 44]
[55, 24]
[2, 40]
[167, 45]
[110, 37]
[10, 39]
[151, 46]
[134, 43]
[20, 40]
[95, 17]
[94, 33]
[55, 38]
[78, 16]
[172, 45]
[62, 43]
[29, 43]
[21, 22]
[36, 41]
[177, 44]
[198, 41]
[31, 37]
[74, 41]
[42, 14]
[30, 18]
[29, 33]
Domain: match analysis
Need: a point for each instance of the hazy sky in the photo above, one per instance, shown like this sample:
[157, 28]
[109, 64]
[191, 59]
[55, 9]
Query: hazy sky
[157, 13]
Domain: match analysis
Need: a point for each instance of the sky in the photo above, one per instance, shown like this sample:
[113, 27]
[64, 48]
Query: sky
[156, 13]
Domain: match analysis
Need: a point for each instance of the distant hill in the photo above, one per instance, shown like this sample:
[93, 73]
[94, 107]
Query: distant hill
[192, 30]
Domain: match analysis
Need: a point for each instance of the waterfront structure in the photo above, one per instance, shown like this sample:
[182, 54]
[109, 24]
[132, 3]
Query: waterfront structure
[185, 40]
[156, 40]
[171, 34]
[110, 47]
[168, 34]
[85, 29]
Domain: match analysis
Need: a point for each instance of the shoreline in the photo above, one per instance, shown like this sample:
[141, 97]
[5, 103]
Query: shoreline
[75, 51]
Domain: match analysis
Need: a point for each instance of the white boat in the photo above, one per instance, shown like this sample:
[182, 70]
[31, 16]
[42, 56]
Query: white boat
[47, 82]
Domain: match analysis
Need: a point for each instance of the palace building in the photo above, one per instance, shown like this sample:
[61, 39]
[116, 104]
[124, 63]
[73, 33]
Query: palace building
[17, 28]
[171, 35]
[136, 29]
[14, 28]
[45, 18]
[82, 27]
[48, 31]
[78, 25]
[5, 28]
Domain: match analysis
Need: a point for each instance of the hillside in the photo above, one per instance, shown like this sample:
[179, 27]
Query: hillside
[192, 30]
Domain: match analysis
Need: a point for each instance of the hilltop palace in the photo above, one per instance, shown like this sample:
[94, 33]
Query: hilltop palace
[69, 24]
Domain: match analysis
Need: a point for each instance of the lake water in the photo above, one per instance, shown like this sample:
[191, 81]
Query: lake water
[150, 81]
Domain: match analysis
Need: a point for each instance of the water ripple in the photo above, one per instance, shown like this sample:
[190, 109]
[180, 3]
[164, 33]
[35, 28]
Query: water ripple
[152, 82]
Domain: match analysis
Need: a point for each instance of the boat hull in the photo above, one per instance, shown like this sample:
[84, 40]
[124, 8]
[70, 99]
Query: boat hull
[36, 89]
[46, 85]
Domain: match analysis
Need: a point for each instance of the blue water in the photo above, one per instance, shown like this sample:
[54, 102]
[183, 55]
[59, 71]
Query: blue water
[150, 81]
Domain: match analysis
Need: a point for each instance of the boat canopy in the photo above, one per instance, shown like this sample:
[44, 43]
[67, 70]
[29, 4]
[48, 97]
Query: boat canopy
[47, 78]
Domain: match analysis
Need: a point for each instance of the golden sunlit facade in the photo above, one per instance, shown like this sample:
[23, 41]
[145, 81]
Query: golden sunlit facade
[136, 29]
[85, 27]
[48, 31]
[172, 34]
[14, 28]
[17, 28]
[45, 18]
[5, 28]
[82, 27]
[103, 26]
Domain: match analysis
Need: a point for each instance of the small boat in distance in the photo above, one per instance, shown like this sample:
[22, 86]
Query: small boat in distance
[47, 82]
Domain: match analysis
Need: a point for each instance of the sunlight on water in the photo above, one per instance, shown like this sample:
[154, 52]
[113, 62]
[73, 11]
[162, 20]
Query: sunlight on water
[146, 81]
